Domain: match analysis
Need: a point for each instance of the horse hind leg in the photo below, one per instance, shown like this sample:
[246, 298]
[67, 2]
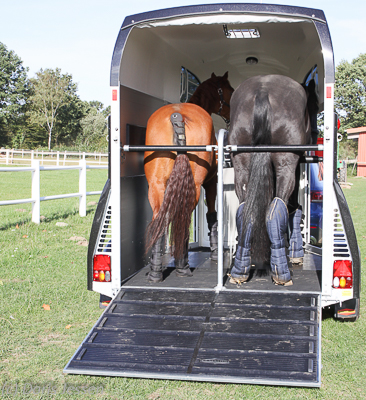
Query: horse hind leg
[211, 216]
[241, 268]
[214, 238]
[296, 251]
[155, 274]
[182, 266]
[278, 216]
[277, 220]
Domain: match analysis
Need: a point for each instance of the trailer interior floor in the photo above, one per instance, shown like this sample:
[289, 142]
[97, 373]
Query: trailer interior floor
[306, 277]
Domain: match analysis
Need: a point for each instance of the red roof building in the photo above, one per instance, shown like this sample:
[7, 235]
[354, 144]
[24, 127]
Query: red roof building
[360, 134]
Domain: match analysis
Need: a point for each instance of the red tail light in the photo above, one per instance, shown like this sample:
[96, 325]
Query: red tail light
[316, 196]
[102, 268]
[342, 274]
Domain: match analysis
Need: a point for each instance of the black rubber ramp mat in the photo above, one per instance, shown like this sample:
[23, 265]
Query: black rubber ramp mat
[231, 336]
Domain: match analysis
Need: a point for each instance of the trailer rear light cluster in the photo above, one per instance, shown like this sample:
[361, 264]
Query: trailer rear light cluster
[342, 274]
[316, 196]
[102, 268]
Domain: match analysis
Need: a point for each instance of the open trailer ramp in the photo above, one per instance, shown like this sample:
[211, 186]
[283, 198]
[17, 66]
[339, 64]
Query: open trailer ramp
[231, 336]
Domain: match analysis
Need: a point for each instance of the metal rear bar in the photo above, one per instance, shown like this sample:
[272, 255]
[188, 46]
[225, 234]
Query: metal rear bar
[129, 148]
[229, 148]
[273, 148]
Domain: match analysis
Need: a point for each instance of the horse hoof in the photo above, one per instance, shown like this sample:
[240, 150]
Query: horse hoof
[239, 280]
[155, 277]
[278, 282]
[214, 256]
[183, 273]
[297, 260]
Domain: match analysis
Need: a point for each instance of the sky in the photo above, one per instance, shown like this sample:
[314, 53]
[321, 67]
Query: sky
[78, 36]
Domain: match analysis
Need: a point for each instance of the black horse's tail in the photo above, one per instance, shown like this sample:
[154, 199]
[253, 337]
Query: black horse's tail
[259, 191]
[179, 199]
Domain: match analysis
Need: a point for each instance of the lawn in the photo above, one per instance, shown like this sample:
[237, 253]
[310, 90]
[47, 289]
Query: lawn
[46, 310]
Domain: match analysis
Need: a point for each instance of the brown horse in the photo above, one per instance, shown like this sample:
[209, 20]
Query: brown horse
[175, 178]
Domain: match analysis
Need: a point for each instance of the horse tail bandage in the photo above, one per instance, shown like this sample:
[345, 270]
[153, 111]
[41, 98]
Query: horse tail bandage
[179, 129]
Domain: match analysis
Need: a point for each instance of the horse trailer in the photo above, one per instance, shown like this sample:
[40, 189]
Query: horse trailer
[204, 328]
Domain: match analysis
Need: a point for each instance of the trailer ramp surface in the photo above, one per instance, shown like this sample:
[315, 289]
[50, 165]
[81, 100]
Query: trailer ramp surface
[232, 336]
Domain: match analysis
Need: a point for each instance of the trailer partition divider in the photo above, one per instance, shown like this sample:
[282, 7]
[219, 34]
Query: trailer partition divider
[220, 213]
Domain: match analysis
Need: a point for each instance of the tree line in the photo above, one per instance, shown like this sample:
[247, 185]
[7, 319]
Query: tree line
[45, 111]
[350, 100]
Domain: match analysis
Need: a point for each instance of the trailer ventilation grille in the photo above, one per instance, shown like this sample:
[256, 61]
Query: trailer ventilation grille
[340, 245]
[105, 236]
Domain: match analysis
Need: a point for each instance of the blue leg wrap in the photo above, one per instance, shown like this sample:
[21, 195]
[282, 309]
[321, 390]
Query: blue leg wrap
[296, 250]
[277, 220]
[241, 265]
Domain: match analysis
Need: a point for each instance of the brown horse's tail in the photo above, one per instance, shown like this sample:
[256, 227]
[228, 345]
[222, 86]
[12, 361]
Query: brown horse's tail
[178, 205]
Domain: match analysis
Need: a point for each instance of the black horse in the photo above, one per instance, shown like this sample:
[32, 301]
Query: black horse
[267, 110]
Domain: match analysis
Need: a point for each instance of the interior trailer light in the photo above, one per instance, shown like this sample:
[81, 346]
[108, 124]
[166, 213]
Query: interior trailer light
[342, 274]
[102, 268]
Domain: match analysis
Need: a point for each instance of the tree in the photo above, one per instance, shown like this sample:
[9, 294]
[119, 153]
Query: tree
[350, 100]
[350, 92]
[94, 128]
[50, 91]
[13, 96]
[67, 127]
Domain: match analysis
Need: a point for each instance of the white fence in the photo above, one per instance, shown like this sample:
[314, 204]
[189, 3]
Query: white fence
[58, 158]
[36, 197]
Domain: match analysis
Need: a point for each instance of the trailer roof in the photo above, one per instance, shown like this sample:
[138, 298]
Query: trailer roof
[152, 47]
[225, 8]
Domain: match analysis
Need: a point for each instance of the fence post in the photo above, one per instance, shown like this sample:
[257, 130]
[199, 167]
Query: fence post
[36, 205]
[64, 157]
[82, 188]
[7, 156]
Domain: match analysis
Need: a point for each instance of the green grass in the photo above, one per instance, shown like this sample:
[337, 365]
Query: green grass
[40, 265]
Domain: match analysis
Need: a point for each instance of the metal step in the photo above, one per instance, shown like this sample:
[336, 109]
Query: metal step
[232, 336]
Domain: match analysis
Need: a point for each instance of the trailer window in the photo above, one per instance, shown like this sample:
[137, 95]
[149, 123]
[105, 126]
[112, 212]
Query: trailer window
[188, 84]
[312, 74]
